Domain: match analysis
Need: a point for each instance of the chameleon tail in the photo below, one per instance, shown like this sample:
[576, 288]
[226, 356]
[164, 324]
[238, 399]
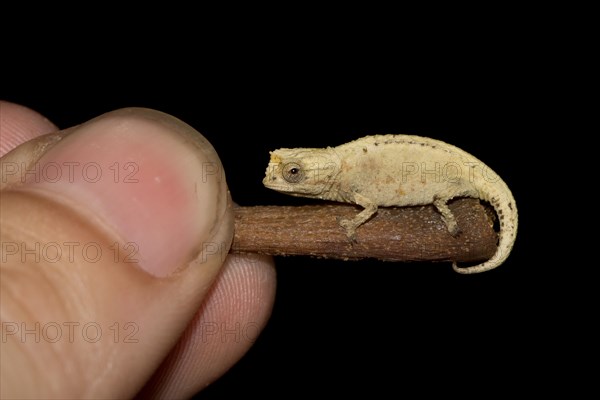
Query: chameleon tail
[504, 205]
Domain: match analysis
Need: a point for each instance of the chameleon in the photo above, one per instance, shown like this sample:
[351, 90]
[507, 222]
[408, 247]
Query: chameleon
[396, 171]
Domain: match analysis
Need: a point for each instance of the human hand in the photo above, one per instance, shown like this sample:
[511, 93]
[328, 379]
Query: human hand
[115, 276]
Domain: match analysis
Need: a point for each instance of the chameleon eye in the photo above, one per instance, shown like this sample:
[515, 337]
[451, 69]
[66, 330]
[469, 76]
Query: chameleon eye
[292, 172]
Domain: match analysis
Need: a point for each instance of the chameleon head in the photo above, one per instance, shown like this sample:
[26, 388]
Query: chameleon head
[302, 172]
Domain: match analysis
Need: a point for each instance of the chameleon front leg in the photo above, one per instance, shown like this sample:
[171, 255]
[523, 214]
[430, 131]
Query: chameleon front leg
[370, 208]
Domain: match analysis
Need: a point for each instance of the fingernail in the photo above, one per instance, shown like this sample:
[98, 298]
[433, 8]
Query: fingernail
[150, 179]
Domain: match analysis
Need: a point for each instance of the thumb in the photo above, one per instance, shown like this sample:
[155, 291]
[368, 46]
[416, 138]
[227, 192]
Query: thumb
[111, 235]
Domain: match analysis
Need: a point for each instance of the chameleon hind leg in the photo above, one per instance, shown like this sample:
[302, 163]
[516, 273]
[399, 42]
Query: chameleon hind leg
[441, 204]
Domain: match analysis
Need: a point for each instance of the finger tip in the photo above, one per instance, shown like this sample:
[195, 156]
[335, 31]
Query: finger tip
[19, 124]
[146, 176]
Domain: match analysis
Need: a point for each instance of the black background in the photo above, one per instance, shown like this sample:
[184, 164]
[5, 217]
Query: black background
[339, 326]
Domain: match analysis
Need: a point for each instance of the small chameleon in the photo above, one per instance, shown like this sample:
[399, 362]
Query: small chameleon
[396, 170]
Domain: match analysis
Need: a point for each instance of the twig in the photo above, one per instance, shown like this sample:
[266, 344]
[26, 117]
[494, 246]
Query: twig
[393, 234]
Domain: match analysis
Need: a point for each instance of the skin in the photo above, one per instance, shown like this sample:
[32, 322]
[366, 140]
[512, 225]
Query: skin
[396, 170]
[175, 295]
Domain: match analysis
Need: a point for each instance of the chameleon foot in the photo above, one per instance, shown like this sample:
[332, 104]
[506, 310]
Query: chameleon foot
[350, 227]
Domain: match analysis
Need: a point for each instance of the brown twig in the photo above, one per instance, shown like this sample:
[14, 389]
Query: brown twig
[393, 234]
